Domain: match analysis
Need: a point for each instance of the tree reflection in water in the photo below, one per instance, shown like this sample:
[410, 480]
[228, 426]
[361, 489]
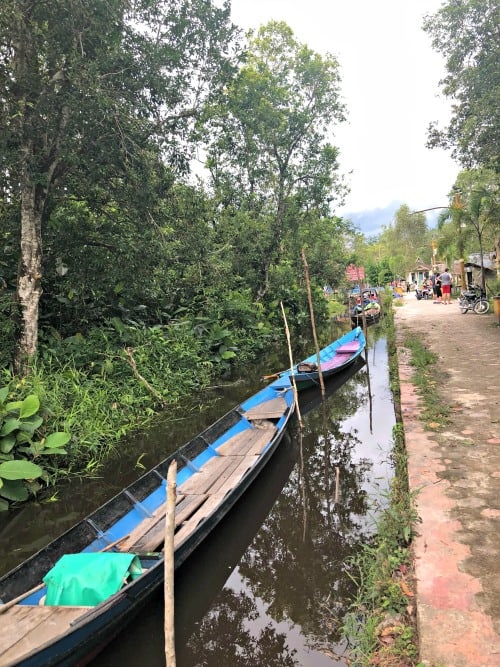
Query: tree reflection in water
[229, 619]
[296, 567]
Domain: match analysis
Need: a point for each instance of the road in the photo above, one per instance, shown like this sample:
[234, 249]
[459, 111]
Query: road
[457, 475]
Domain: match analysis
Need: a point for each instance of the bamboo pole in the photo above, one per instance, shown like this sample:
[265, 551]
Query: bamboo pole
[299, 417]
[169, 565]
[290, 355]
[313, 323]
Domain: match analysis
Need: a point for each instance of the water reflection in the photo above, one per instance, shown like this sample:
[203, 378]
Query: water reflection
[294, 576]
[270, 586]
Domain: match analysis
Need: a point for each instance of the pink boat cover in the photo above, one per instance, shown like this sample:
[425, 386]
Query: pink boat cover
[341, 355]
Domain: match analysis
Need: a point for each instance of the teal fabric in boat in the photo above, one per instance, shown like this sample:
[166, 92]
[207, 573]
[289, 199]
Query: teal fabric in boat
[87, 579]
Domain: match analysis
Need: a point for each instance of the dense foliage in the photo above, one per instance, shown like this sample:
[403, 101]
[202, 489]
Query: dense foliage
[466, 33]
[124, 279]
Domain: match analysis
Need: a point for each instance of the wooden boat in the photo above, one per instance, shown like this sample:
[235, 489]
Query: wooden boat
[333, 359]
[58, 622]
[365, 306]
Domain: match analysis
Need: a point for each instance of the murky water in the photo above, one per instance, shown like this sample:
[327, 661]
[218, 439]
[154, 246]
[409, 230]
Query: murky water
[270, 586]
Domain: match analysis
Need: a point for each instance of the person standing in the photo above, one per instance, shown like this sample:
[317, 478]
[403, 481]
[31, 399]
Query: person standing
[436, 288]
[446, 280]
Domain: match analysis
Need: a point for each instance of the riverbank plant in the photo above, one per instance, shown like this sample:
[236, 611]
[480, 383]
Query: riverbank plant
[380, 626]
[425, 378]
[94, 389]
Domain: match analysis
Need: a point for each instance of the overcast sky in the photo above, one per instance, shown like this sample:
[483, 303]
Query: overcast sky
[390, 76]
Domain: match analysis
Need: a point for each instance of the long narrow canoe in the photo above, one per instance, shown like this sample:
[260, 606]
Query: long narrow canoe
[333, 359]
[51, 611]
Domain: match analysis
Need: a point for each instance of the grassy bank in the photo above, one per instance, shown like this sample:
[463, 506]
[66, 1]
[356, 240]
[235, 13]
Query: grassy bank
[380, 626]
[84, 394]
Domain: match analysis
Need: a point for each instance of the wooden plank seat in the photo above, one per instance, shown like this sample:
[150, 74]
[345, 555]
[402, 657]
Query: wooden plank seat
[250, 441]
[26, 627]
[272, 409]
[218, 475]
[244, 463]
[154, 536]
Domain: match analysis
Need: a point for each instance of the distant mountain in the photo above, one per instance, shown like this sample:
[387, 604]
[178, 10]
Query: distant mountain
[371, 222]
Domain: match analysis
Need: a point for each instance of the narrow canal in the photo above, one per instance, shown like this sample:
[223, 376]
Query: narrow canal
[271, 586]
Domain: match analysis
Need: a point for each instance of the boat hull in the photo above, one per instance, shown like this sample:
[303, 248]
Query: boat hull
[229, 456]
[334, 359]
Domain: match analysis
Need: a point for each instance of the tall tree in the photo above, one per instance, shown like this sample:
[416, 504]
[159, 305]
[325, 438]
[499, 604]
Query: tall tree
[467, 33]
[92, 90]
[479, 210]
[271, 156]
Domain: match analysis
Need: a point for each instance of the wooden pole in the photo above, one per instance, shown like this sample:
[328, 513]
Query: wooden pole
[168, 553]
[313, 324]
[290, 355]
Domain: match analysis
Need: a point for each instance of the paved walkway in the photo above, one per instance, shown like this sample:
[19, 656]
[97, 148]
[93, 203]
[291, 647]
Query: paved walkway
[457, 475]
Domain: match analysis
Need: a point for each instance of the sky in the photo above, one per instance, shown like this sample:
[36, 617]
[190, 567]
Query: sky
[390, 85]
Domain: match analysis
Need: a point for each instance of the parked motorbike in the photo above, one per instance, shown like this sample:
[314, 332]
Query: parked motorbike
[473, 299]
[424, 293]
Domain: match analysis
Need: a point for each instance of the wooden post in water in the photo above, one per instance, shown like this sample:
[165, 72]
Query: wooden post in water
[294, 385]
[313, 323]
[168, 556]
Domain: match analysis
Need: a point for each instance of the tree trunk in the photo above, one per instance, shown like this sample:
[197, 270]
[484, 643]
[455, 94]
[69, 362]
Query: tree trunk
[29, 288]
[273, 251]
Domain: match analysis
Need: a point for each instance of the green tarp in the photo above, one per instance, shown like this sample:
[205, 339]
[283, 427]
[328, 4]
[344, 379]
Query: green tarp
[89, 578]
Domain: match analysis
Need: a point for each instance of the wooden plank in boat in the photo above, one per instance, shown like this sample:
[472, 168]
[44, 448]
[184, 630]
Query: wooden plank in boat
[201, 481]
[128, 544]
[272, 409]
[247, 441]
[205, 510]
[264, 436]
[214, 500]
[25, 628]
[246, 462]
[155, 536]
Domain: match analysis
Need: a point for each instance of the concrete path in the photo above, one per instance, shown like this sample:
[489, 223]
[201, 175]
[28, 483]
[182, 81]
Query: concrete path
[457, 475]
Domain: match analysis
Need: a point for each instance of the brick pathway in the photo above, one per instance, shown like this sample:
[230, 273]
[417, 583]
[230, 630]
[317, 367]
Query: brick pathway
[457, 475]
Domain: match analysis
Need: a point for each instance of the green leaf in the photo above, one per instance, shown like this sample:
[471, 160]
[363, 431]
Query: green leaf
[48, 452]
[4, 392]
[13, 405]
[30, 425]
[30, 406]
[20, 470]
[10, 425]
[7, 443]
[14, 490]
[4, 505]
[57, 439]
[23, 436]
[228, 354]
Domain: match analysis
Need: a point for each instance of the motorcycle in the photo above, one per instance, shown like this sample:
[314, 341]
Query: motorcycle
[473, 299]
[424, 293]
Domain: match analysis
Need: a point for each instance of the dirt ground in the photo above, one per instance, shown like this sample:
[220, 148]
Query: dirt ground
[457, 475]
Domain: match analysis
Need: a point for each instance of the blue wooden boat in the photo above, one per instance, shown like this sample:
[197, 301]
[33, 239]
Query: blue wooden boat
[46, 619]
[365, 307]
[333, 359]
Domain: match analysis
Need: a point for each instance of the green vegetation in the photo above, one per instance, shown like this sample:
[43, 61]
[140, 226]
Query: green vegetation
[152, 281]
[380, 622]
[22, 442]
[434, 412]
[380, 625]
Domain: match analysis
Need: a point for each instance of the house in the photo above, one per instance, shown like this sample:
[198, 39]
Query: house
[419, 273]
[472, 268]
